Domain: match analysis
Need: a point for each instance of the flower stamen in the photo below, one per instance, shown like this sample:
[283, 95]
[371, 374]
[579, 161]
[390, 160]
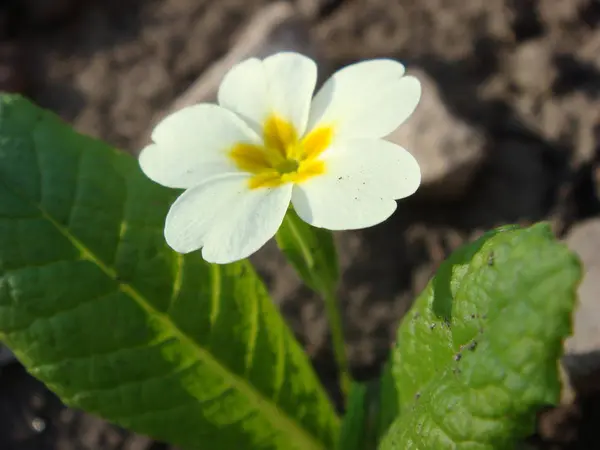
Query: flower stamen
[283, 157]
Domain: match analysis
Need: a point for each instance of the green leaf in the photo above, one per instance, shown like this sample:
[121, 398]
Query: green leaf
[477, 355]
[311, 251]
[352, 433]
[95, 304]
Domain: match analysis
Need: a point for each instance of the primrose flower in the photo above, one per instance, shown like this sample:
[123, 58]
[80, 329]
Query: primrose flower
[269, 143]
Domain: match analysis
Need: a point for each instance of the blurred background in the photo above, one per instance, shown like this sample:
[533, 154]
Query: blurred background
[508, 131]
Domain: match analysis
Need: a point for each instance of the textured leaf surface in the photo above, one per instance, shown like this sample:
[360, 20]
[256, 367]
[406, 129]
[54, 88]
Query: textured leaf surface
[476, 357]
[311, 251]
[94, 303]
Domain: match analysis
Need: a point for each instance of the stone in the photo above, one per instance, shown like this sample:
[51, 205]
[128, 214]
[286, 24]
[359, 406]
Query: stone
[448, 149]
[581, 362]
[584, 239]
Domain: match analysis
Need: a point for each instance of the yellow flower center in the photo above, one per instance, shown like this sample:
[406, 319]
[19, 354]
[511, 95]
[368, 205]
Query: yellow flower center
[283, 157]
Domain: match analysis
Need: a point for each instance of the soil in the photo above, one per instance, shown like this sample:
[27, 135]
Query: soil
[524, 72]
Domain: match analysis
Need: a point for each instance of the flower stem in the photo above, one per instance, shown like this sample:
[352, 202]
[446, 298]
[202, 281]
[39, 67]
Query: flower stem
[337, 337]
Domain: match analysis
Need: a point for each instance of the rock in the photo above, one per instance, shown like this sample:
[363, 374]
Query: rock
[448, 149]
[581, 362]
[584, 239]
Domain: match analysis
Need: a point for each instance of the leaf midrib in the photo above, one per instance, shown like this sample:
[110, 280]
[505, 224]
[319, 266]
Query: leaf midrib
[275, 415]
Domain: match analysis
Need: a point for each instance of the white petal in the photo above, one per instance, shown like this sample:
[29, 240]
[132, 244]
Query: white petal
[362, 180]
[191, 145]
[225, 217]
[367, 100]
[244, 91]
[282, 84]
[292, 79]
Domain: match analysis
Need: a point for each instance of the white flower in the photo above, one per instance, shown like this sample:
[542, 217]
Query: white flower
[269, 143]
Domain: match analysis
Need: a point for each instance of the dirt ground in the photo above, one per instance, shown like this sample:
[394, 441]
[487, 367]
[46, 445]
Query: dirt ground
[525, 74]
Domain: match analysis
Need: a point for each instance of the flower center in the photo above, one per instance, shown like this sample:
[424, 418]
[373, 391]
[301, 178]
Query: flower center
[288, 166]
[283, 157]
